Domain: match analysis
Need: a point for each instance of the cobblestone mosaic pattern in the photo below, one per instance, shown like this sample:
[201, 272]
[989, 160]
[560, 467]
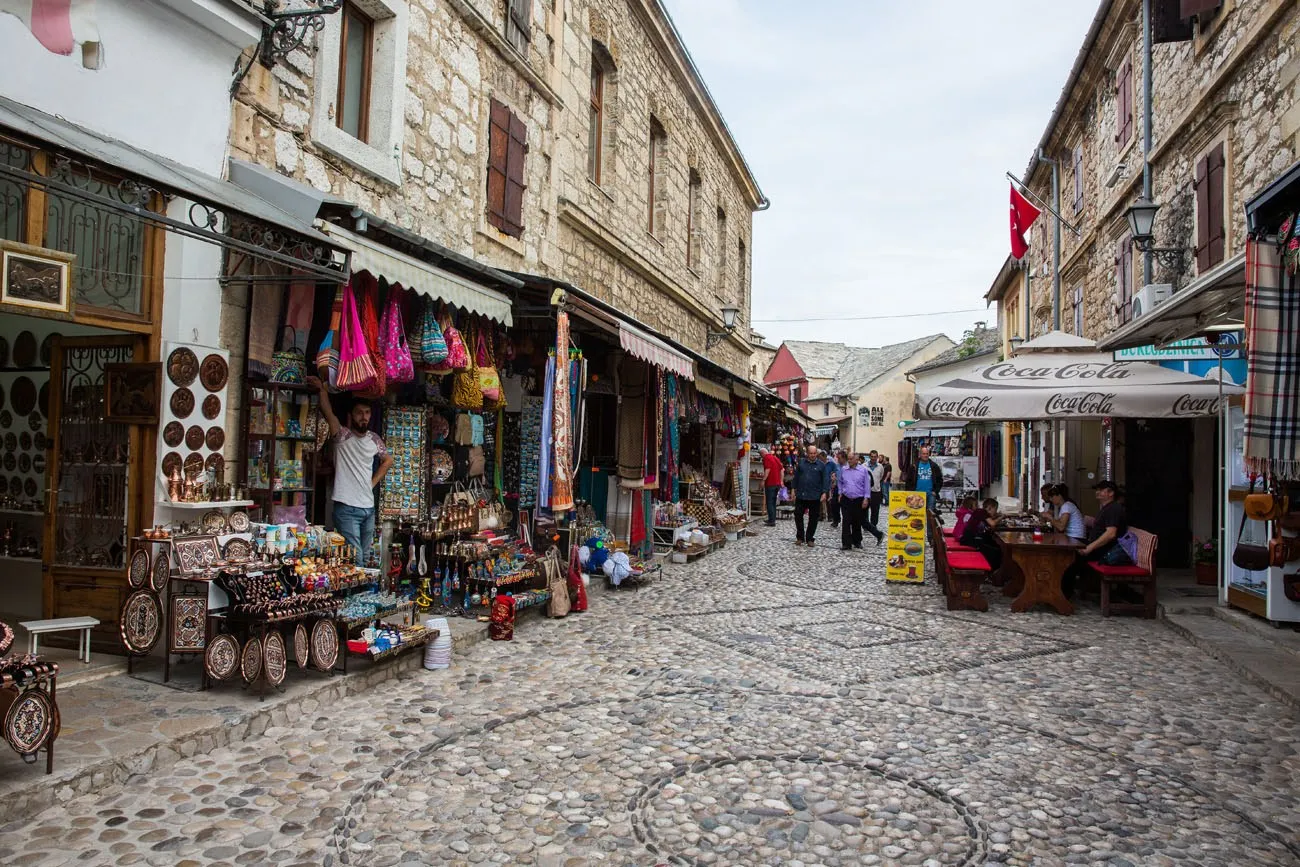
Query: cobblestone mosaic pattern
[757, 708]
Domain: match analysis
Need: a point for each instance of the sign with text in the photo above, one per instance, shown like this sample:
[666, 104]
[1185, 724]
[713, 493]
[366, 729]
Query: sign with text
[905, 537]
[1192, 349]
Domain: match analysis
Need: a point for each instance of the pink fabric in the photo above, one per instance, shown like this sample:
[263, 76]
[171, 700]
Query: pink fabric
[52, 25]
[562, 486]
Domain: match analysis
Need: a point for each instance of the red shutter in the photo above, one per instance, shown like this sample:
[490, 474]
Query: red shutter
[1168, 23]
[1202, 187]
[1188, 8]
[514, 209]
[1214, 174]
[1124, 102]
[498, 149]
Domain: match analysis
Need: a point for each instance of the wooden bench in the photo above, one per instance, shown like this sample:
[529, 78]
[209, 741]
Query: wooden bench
[1143, 573]
[961, 571]
[37, 628]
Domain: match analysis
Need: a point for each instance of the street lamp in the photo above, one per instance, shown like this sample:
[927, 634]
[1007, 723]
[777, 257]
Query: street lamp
[1016, 342]
[729, 315]
[1141, 225]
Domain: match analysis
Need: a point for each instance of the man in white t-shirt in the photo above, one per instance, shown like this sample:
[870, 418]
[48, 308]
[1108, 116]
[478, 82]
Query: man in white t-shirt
[355, 473]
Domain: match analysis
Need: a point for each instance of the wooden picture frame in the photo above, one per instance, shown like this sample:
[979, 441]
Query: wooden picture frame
[35, 281]
[133, 392]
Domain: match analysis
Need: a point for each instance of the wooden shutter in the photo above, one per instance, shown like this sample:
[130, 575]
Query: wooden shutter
[498, 151]
[1215, 166]
[1168, 23]
[1124, 280]
[1078, 178]
[1202, 187]
[518, 148]
[1124, 102]
[1188, 8]
[519, 27]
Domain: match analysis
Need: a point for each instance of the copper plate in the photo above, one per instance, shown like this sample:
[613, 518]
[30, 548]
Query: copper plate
[142, 622]
[43, 399]
[221, 658]
[11, 442]
[213, 372]
[38, 462]
[25, 441]
[10, 461]
[301, 647]
[29, 722]
[238, 551]
[194, 438]
[189, 624]
[24, 463]
[170, 462]
[4, 352]
[29, 487]
[215, 438]
[274, 659]
[182, 403]
[47, 348]
[161, 572]
[4, 489]
[182, 366]
[6, 418]
[41, 441]
[22, 396]
[213, 522]
[211, 407]
[173, 433]
[193, 464]
[239, 522]
[138, 572]
[215, 464]
[6, 638]
[15, 485]
[250, 661]
[25, 349]
[324, 645]
[35, 422]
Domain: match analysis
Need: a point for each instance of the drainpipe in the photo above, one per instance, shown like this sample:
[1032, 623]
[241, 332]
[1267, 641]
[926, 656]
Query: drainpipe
[1056, 239]
[1146, 124]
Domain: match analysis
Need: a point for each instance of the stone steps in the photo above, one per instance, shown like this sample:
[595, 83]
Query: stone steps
[1265, 663]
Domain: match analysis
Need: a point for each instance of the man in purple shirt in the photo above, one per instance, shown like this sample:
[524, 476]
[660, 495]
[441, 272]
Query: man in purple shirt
[855, 493]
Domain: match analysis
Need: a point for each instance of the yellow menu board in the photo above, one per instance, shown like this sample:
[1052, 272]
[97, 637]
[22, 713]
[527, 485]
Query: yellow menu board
[905, 537]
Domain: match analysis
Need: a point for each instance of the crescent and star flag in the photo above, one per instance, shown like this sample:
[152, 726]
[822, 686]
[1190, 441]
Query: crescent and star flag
[1023, 215]
[59, 25]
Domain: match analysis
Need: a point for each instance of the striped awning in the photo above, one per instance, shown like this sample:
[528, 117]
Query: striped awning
[712, 389]
[652, 350]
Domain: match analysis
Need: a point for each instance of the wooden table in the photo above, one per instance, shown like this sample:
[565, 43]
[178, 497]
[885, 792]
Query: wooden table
[1034, 569]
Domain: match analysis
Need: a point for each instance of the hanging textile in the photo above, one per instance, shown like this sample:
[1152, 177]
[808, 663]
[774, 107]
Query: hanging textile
[548, 437]
[562, 492]
[654, 420]
[636, 532]
[532, 410]
[631, 421]
[266, 299]
[1272, 363]
[648, 514]
[670, 461]
[509, 444]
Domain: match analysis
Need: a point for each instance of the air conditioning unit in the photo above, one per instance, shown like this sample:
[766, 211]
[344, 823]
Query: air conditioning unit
[1150, 297]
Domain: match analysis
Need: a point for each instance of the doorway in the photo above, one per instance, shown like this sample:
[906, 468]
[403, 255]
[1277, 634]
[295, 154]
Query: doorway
[1158, 488]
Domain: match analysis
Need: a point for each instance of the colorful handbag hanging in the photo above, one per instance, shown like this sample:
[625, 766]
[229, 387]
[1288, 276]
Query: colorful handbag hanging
[398, 366]
[489, 381]
[356, 370]
[457, 355]
[465, 392]
[327, 356]
[433, 347]
[289, 365]
[368, 310]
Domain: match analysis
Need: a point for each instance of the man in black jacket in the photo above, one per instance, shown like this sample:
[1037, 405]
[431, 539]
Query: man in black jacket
[924, 475]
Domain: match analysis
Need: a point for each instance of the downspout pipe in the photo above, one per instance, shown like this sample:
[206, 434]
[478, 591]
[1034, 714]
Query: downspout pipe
[1056, 238]
[1146, 125]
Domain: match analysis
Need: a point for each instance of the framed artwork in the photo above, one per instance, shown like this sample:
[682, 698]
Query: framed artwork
[189, 624]
[133, 392]
[35, 281]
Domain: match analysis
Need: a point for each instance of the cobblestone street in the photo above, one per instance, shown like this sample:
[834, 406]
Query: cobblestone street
[768, 705]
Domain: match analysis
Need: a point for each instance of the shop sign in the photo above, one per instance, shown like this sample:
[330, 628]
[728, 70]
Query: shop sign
[1192, 349]
[905, 537]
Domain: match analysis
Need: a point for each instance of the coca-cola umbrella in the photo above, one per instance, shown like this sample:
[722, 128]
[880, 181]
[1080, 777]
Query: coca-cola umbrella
[1072, 385]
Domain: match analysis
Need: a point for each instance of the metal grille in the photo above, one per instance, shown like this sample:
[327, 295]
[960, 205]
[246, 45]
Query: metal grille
[94, 456]
[109, 245]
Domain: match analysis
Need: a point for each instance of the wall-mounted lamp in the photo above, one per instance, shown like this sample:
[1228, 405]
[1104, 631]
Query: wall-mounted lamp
[729, 315]
[1141, 225]
[1016, 342]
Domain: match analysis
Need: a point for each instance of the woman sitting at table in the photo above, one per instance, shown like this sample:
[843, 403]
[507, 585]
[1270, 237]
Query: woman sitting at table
[1065, 516]
[978, 533]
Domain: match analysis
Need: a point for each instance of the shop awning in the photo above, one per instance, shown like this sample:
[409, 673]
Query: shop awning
[395, 267]
[712, 389]
[652, 350]
[1213, 301]
[744, 392]
[795, 416]
[926, 432]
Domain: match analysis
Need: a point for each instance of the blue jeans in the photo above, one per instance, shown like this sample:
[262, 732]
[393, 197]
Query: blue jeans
[770, 492]
[357, 526]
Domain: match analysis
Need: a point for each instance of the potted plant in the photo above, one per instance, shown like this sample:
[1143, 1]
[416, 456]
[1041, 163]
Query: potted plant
[1205, 560]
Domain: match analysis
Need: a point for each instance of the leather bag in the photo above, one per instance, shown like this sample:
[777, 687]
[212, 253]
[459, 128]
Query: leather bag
[1252, 558]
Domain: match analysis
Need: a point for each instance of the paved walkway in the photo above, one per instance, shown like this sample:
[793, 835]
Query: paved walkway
[768, 705]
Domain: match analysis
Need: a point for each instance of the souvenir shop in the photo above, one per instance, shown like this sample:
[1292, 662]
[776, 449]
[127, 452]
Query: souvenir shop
[970, 456]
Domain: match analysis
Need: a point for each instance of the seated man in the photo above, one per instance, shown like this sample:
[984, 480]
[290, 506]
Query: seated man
[1106, 538]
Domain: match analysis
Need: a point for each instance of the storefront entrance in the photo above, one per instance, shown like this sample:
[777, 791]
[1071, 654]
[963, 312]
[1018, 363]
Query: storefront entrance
[1158, 484]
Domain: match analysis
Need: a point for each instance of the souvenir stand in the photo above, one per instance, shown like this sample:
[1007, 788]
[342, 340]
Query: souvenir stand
[29, 707]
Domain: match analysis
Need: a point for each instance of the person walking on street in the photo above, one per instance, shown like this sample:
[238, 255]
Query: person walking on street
[925, 476]
[812, 488]
[355, 475]
[833, 504]
[855, 494]
[887, 482]
[877, 488]
[773, 479]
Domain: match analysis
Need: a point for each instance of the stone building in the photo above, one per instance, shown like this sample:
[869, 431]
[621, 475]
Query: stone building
[617, 172]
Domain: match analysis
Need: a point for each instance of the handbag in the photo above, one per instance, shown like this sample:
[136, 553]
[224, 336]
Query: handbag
[457, 354]
[489, 381]
[356, 370]
[327, 355]
[477, 462]
[398, 365]
[368, 310]
[289, 366]
[464, 431]
[433, 346]
[557, 583]
[1264, 506]
[1252, 558]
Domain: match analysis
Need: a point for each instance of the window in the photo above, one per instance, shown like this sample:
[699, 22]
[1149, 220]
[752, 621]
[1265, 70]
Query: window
[741, 264]
[1124, 280]
[519, 29]
[1210, 234]
[507, 145]
[596, 113]
[794, 394]
[722, 253]
[1124, 102]
[826, 410]
[693, 220]
[655, 187]
[356, 50]
[1078, 177]
[1078, 310]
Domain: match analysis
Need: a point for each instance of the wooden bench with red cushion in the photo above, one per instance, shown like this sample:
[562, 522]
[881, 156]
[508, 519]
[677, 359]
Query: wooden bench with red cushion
[961, 571]
[1142, 572]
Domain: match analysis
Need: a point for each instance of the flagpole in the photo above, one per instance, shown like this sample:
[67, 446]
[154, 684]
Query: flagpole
[1024, 191]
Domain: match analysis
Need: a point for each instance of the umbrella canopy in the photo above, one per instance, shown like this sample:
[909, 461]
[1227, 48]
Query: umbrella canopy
[1072, 385]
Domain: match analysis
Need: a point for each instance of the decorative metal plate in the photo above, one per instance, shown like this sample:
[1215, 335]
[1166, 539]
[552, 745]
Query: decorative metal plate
[182, 366]
[193, 464]
[15, 485]
[161, 572]
[38, 462]
[4, 352]
[213, 522]
[24, 463]
[7, 638]
[25, 441]
[196, 553]
[238, 551]
[194, 438]
[173, 434]
[22, 396]
[182, 402]
[301, 646]
[324, 645]
[29, 722]
[274, 660]
[239, 522]
[29, 487]
[6, 419]
[215, 438]
[170, 462]
[250, 661]
[211, 407]
[216, 465]
[10, 461]
[25, 349]
[221, 658]
[142, 622]
[47, 348]
[137, 574]
[41, 441]
[43, 399]
[34, 421]
[441, 465]
[11, 442]
[4, 485]
[213, 372]
[189, 623]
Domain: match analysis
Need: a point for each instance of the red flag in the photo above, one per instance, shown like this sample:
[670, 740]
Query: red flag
[1023, 215]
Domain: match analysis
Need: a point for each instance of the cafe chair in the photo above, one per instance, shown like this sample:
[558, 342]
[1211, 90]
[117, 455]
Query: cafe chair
[1142, 573]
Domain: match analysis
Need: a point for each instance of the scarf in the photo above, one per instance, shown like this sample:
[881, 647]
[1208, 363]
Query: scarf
[1272, 416]
[562, 492]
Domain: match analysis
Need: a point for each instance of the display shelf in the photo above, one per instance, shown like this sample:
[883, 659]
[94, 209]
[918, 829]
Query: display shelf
[420, 640]
[350, 622]
[207, 504]
[261, 490]
[21, 512]
[9, 559]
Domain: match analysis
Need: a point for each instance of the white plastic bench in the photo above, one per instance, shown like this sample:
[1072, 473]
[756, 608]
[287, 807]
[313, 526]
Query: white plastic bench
[36, 628]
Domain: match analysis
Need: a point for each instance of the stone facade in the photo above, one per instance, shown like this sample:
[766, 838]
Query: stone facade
[1237, 82]
[457, 59]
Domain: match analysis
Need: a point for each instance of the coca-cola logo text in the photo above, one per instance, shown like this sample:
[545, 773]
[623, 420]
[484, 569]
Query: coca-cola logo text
[1188, 405]
[1065, 373]
[1092, 403]
[966, 407]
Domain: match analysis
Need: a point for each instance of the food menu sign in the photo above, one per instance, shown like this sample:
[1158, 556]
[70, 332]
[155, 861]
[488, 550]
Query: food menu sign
[905, 538]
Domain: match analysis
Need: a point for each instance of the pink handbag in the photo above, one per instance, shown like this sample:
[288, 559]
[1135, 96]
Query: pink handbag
[398, 364]
[356, 371]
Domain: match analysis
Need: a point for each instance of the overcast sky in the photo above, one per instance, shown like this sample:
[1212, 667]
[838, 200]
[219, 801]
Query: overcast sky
[881, 131]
